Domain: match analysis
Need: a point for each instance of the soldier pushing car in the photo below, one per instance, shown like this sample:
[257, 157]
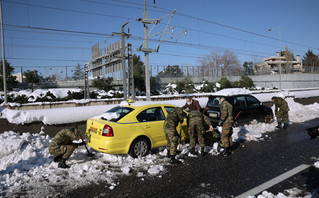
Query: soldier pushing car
[196, 122]
[226, 121]
[173, 118]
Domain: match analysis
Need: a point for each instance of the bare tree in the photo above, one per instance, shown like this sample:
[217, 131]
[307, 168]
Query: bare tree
[231, 64]
[224, 64]
[256, 59]
[211, 63]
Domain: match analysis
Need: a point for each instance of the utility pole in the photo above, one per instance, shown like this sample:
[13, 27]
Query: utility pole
[123, 57]
[146, 48]
[279, 30]
[3, 59]
[86, 82]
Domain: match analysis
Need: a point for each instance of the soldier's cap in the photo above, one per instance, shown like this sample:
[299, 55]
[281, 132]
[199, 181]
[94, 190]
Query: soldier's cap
[273, 97]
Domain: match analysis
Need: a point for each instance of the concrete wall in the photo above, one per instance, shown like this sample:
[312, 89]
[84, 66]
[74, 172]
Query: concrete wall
[288, 81]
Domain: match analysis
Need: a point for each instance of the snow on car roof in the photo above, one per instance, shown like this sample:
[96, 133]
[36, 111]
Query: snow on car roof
[231, 92]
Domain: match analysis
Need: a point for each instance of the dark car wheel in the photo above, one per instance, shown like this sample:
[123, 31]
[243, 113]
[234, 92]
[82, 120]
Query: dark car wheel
[140, 147]
[265, 119]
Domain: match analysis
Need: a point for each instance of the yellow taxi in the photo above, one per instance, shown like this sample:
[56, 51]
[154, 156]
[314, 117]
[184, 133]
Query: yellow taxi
[131, 129]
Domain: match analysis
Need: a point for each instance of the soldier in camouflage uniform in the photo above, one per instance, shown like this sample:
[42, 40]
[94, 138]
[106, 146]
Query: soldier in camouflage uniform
[174, 117]
[62, 146]
[281, 111]
[227, 121]
[196, 121]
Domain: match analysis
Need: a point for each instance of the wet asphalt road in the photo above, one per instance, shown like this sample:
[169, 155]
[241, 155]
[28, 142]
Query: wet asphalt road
[251, 165]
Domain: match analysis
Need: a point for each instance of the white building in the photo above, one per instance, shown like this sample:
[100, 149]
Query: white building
[20, 78]
[273, 64]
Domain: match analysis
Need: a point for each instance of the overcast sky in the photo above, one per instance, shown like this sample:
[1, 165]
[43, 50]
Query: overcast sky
[59, 32]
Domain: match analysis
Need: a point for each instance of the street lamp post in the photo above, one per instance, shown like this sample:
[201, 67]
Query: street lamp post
[279, 29]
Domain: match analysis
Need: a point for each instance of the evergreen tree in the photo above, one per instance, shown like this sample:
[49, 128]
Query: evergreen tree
[171, 71]
[103, 83]
[139, 73]
[11, 80]
[310, 59]
[248, 68]
[78, 73]
[32, 77]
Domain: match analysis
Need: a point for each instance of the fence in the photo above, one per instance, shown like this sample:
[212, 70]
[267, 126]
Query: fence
[204, 71]
[60, 76]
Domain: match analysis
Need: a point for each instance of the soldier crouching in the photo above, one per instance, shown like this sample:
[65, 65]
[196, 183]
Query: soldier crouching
[62, 146]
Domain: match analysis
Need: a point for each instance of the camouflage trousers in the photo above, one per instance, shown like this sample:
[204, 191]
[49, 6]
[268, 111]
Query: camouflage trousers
[227, 132]
[196, 128]
[282, 115]
[172, 139]
[64, 150]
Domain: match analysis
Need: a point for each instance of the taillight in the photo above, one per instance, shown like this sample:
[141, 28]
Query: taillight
[107, 131]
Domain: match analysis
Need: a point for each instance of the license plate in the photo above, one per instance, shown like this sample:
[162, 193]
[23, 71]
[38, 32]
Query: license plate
[93, 129]
[213, 115]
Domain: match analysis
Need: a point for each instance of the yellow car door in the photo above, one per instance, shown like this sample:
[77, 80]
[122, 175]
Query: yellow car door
[151, 121]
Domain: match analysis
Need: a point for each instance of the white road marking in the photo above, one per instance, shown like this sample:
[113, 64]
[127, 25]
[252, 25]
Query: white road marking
[273, 181]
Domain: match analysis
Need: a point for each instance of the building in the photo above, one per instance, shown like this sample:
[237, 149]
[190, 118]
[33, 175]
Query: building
[271, 65]
[20, 77]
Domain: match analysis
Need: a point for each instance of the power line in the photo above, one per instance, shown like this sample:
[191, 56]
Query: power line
[63, 9]
[220, 24]
[182, 14]
[132, 37]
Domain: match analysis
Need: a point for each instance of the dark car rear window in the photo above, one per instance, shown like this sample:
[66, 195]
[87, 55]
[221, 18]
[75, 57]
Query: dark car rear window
[213, 101]
[122, 111]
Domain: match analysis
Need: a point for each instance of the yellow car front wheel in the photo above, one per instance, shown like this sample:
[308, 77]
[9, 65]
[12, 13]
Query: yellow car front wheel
[140, 147]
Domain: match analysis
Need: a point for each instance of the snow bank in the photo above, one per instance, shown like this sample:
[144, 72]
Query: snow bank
[27, 167]
[54, 116]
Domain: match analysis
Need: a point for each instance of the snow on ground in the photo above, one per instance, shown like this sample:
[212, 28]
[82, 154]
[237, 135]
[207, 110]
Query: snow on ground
[27, 169]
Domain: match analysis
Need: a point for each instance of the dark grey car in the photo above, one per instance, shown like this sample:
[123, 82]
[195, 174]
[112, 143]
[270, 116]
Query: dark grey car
[245, 109]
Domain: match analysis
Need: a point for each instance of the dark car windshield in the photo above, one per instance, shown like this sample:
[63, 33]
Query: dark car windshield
[122, 111]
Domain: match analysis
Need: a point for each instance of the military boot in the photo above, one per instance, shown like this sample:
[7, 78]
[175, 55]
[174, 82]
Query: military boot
[285, 125]
[202, 152]
[57, 158]
[62, 163]
[226, 152]
[279, 125]
[168, 154]
[174, 160]
[192, 151]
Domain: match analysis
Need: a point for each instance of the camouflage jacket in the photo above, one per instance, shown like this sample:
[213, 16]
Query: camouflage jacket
[193, 106]
[64, 137]
[174, 117]
[197, 114]
[226, 110]
[280, 105]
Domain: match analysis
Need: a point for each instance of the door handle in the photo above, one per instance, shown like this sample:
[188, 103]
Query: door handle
[147, 126]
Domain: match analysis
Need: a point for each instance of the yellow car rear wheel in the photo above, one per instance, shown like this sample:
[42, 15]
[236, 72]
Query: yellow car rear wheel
[140, 147]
